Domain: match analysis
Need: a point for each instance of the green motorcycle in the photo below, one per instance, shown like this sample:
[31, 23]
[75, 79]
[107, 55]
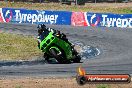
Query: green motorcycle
[56, 47]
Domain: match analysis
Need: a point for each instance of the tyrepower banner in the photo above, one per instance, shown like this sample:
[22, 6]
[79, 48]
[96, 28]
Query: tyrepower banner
[101, 19]
[65, 18]
[35, 16]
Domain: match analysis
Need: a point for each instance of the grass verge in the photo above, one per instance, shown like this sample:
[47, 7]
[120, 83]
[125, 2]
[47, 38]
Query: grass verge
[88, 7]
[14, 47]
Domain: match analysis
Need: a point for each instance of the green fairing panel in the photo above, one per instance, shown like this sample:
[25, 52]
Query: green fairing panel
[47, 43]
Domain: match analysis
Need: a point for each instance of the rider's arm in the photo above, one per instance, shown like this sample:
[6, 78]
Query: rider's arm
[38, 38]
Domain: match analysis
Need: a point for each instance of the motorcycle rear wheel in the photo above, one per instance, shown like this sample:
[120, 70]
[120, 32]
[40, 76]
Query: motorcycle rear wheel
[77, 59]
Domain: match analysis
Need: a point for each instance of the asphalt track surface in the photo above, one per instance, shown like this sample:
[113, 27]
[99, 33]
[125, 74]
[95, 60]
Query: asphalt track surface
[115, 45]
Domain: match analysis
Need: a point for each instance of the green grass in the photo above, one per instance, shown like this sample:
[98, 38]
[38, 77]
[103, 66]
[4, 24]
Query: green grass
[18, 86]
[103, 86]
[17, 47]
[88, 7]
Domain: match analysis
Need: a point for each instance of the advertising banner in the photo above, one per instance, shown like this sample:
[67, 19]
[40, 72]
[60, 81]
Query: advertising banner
[36, 16]
[1, 19]
[79, 19]
[101, 19]
[65, 18]
[110, 20]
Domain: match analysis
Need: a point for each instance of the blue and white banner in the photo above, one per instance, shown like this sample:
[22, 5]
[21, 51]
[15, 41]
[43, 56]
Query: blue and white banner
[65, 18]
[36, 16]
[109, 20]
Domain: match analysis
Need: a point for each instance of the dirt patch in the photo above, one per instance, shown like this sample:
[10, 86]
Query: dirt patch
[53, 83]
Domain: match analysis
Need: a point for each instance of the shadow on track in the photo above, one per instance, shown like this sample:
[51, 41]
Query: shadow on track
[18, 63]
[38, 61]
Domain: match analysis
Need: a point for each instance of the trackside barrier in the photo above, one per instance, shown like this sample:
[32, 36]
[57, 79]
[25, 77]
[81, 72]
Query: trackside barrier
[35, 16]
[65, 18]
[101, 19]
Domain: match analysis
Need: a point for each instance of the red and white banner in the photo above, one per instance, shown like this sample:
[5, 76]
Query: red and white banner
[79, 19]
[1, 19]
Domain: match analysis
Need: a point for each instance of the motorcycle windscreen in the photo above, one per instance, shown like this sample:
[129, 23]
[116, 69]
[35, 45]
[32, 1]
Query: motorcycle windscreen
[44, 35]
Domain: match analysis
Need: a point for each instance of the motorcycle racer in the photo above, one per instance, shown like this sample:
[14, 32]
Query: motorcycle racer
[55, 44]
[43, 32]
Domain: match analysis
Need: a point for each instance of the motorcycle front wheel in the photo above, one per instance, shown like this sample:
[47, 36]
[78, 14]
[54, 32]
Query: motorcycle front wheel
[60, 58]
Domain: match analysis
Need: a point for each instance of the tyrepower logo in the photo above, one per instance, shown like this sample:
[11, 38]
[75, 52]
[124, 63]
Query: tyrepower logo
[116, 22]
[8, 15]
[33, 18]
[94, 20]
